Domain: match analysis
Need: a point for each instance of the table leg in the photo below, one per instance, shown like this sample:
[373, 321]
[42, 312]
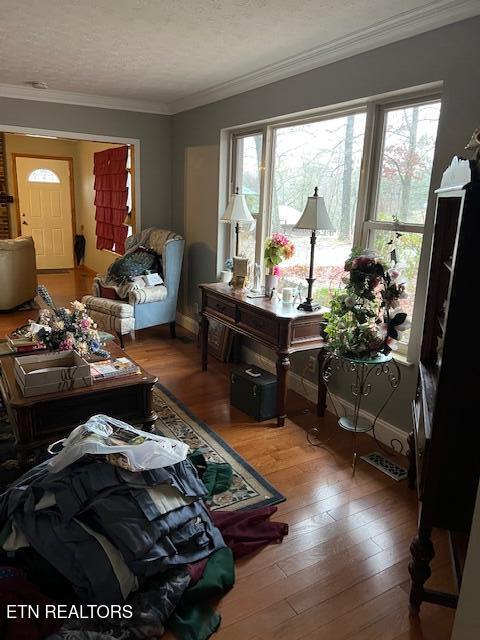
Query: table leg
[204, 341]
[322, 387]
[419, 568]
[283, 366]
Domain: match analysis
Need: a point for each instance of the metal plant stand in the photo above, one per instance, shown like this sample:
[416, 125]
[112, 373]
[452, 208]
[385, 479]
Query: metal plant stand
[364, 371]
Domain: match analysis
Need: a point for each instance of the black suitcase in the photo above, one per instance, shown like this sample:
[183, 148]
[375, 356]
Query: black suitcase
[254, 391]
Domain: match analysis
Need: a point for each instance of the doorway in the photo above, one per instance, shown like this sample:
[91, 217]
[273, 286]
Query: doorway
[45, 207]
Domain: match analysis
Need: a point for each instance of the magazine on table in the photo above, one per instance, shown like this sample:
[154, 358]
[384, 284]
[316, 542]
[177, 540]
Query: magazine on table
[113, 368]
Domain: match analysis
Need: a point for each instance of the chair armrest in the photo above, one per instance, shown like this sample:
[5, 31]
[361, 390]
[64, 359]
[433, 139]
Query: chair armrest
[108, 307]
[148, 294]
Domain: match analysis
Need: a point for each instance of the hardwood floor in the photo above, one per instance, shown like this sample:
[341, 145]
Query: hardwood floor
[342, 571]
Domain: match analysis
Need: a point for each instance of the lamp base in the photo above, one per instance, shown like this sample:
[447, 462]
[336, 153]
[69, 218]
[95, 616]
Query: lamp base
[308, 306]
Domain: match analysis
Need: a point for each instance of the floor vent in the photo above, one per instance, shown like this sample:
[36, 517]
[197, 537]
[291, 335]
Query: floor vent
[388, 467]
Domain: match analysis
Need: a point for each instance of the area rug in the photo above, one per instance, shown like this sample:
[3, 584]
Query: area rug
[248, 489]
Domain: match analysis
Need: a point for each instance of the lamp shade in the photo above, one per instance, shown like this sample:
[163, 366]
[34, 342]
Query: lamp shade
[315, 215]
[237, 210]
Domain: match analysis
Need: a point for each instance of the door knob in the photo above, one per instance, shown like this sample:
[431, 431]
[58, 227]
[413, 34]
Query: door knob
[24, 222]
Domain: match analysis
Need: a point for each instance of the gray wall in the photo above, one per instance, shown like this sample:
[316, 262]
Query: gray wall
[449, 54]
[153, 131]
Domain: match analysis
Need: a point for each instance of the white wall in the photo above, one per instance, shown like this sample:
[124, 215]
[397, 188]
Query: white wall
[467, 618]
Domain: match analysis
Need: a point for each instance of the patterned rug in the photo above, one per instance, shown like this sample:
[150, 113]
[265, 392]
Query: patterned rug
[248, 487]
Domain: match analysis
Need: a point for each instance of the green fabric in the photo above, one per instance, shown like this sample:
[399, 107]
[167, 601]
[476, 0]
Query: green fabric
[216, 476]
[194, 619]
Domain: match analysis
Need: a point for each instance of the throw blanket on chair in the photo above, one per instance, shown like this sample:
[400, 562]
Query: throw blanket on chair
[152, 239]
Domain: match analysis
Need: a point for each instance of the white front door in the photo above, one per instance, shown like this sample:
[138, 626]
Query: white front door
[46, 209]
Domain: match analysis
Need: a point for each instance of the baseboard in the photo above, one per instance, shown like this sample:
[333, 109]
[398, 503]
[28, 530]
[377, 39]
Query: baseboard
[187, 323]
[385, 432]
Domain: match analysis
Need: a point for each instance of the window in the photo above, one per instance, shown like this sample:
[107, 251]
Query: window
[402, 178]
[248, 178]
[44, 175]
[372, 165]
[326, 154]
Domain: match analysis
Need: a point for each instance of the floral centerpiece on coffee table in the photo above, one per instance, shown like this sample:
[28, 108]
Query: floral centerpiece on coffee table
[62, 329]
[365, 317]
[277, 248]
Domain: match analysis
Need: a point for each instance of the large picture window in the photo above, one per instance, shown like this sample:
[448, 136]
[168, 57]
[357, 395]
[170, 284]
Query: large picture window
[326, 154]
[372, 165]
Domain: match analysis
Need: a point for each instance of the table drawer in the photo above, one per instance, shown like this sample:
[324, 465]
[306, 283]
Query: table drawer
[221, 307]
[260, 324]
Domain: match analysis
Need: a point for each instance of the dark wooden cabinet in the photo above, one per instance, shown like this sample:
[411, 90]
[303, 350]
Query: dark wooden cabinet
[445, 454]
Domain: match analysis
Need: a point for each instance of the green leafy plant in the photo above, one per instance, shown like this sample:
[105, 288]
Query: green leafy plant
[365, 317]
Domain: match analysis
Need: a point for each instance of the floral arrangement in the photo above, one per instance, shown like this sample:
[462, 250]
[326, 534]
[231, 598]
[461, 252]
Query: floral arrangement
[277, 248]
[67, 329]
[365, 317]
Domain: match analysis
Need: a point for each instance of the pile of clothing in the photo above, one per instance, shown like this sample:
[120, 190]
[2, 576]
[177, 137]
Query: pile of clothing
[91, 531]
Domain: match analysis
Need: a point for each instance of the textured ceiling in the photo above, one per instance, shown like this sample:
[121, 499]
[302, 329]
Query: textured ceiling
[164, 50]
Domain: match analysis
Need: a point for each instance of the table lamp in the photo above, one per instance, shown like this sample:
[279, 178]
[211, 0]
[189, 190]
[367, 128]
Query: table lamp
[237, 212]
[314, 217]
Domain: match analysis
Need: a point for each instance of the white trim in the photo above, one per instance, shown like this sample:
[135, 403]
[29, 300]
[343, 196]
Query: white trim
[384, 431]
[91, 137]
[187, 323]
[82, 99]
[406, 24]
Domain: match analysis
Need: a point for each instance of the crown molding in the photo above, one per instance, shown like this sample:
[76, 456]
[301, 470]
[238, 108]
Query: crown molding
[433, 15]
[81, 99]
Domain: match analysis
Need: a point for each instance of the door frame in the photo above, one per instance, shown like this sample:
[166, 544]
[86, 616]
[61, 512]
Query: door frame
[68, 159]
[91, 137]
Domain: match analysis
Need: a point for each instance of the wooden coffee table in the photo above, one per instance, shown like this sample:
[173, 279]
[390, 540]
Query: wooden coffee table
[40, 420]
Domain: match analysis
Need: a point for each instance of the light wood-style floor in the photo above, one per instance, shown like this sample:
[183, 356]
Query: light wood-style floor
[342, 570]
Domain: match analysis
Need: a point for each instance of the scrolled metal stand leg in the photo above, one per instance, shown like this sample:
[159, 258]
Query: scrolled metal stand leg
[359, 390]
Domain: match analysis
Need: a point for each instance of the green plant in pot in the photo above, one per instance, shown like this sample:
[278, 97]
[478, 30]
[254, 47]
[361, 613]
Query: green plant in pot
[365, 317]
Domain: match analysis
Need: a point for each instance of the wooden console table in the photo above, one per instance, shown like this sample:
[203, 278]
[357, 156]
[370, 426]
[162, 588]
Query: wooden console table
[281, 327]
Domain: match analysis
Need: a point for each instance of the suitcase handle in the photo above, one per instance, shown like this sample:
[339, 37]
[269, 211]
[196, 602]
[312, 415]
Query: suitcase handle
[252, 373]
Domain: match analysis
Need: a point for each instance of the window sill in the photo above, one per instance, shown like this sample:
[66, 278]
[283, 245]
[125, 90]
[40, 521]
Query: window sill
[401, 358]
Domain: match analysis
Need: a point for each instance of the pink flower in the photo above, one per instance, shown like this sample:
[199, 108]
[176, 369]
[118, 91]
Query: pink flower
[66, 345]
[85, 323]
[276, 271]
[280, 239]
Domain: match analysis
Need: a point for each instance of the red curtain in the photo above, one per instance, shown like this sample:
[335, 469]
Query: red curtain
[110, 170]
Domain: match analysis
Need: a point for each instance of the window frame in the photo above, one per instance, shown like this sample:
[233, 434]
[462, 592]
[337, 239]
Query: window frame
[376, 110]
[368, 223]
[233, 183]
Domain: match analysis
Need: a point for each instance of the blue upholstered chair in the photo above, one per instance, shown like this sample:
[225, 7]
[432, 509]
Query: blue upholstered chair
[149, 306]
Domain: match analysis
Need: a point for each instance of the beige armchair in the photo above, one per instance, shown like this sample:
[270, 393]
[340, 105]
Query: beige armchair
[18, 272]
